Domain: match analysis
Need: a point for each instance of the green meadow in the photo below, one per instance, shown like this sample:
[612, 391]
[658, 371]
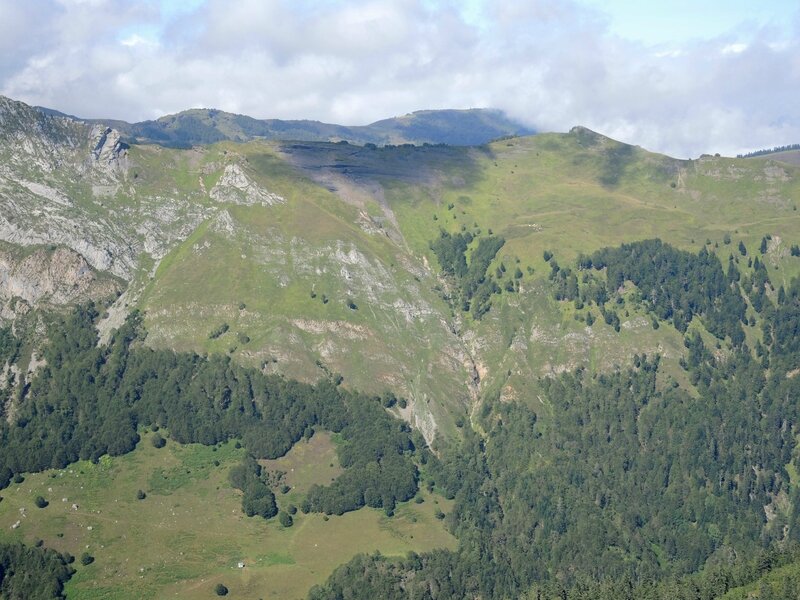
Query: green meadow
[341, 278]
[189, 532]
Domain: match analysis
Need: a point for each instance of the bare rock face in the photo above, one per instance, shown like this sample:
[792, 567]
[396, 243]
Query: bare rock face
[46, 164]
[236, 187]
[48, 277]
[27, 220]
[108, 150]
[34, 143]
[64, 182]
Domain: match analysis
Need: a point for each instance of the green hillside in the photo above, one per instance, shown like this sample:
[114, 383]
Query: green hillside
[357, 227]
[788, 156]
[314, 286]
[553, 366]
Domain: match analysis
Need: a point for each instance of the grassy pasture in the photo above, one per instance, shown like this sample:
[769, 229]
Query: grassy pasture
[559, 192]
[567, 193]
[319, 451]
[189, 533]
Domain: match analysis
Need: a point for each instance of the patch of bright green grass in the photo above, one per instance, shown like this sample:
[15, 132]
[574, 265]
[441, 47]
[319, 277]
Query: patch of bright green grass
[183, 539]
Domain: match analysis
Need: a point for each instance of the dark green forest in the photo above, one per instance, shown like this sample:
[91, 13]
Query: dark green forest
[473, 284]
[677, 285]
[89, 401]
[626, 485]
[32, 573]
[626, 488]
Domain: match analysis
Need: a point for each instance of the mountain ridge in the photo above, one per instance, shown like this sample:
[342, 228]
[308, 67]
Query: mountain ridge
[565, 319]
[329, 246]
[403, 197]
[463, 127]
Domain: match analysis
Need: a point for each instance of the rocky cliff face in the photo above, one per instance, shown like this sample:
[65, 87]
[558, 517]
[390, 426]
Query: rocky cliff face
[68, 183]
[48, 165]
[329, 285]
[34, 143]
[237, 188]
[47, 277]
[110, 152]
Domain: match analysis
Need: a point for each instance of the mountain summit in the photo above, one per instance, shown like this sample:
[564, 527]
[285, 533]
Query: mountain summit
[470, 127]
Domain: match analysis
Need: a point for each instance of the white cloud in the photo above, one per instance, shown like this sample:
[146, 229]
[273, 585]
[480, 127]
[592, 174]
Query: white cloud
[736, 48]
[552, 64]
[136, 39]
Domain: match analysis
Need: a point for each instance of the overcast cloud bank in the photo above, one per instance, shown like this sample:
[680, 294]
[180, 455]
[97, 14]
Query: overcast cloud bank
[550, 64]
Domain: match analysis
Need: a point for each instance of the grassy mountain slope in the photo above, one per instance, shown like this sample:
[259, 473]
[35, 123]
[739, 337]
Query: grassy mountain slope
[311, 259]
[570, 194]
[316, 257]
[357, 226]
[788, 156]
[309, 286]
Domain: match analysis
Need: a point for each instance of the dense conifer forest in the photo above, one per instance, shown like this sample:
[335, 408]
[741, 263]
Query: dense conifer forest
[32, 573]
[90, 400]
[628, 488]
[615, 485]
[473, 285]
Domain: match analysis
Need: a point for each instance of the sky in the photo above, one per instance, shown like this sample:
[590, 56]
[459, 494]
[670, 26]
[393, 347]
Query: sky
[680, 77]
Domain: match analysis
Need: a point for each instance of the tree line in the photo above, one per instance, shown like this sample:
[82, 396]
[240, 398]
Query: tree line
[91, 400]
[769, 151]
[33, 573]
[624, 484]
[474, 284]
